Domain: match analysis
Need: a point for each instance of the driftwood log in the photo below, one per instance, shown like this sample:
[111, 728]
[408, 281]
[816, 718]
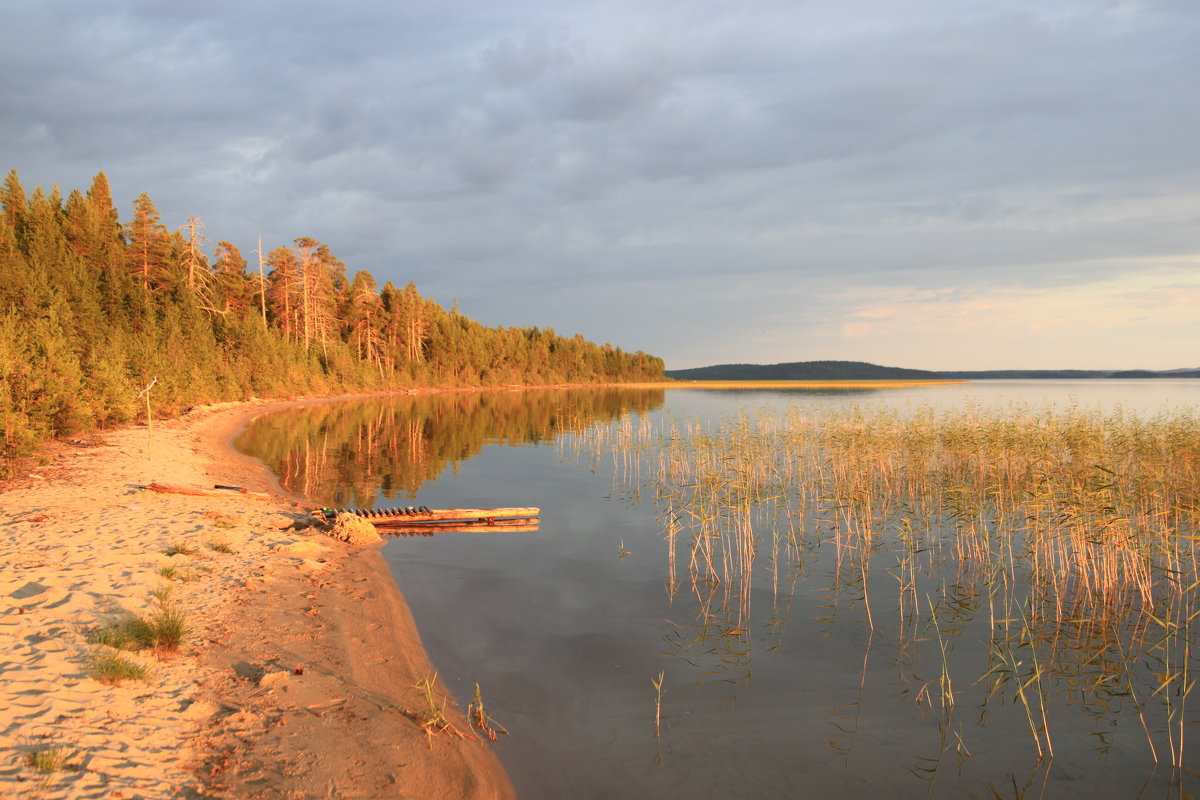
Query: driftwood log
[231, 491]
[400, 529]
[409, 516]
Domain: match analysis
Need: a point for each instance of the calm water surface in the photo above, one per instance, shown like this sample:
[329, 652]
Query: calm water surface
[783, 690]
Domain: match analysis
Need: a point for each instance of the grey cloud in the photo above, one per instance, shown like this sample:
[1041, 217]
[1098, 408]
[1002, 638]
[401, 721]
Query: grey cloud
[604, 92]
[513, 62]
[690, 149]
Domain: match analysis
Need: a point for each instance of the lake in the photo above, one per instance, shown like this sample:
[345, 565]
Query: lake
[730, 594]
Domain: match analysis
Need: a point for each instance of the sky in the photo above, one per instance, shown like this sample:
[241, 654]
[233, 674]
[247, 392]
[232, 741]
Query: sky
[933, 184]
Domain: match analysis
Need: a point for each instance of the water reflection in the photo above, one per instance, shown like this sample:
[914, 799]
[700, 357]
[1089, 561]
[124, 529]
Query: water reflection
[357, 453]
[1035, 560]
[808, 600]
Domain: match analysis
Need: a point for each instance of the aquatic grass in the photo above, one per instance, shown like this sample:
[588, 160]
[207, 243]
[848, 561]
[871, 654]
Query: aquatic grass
[479, 717]
[1077, 530]
[431, 716]
[657, 683]
[863, 482]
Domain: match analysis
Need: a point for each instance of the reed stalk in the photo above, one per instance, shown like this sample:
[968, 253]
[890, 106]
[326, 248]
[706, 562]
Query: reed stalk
[1079, 529]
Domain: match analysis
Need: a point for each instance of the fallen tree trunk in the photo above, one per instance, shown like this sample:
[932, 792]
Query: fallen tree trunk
[428, 529]
[408, 516]
[168, 488]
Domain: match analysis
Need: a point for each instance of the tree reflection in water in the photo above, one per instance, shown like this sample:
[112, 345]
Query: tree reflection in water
[353, 453]
[1021, 582]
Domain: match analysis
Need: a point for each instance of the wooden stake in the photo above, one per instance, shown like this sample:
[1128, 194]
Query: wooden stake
[149, 417]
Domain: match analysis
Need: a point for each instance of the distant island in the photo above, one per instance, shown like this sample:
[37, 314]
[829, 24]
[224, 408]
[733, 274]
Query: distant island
[803, 371]
[863, 371]
[1070, 374]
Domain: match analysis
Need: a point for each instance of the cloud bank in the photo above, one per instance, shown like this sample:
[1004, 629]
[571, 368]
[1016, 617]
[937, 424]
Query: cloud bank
[933, 184]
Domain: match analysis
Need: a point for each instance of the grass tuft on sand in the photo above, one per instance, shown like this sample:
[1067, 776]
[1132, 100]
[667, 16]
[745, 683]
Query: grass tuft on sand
[114, 669]
[163, 630]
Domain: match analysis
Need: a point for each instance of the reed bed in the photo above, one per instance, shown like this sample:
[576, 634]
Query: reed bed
[1073, 533]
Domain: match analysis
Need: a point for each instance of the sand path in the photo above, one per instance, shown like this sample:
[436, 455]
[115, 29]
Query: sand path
[297, 678]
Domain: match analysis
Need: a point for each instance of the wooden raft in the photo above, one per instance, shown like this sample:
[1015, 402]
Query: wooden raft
[425, 521]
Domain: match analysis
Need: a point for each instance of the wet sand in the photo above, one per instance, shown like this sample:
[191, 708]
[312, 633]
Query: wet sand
[298, 678]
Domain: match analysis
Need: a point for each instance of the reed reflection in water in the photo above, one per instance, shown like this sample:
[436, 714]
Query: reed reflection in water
[802, 599]
[1063, 544]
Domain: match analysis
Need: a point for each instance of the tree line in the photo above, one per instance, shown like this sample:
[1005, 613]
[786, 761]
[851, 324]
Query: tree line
[92, 310]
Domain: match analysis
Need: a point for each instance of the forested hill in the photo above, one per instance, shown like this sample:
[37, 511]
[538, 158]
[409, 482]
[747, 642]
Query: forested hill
[93, 309]
[862, 371]
[1069, 374]
[802, 371]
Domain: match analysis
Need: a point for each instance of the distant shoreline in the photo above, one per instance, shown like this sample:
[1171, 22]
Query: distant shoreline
[865, 371]
[799, 384]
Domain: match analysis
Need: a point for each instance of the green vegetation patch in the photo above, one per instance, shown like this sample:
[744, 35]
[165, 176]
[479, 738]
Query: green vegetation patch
[114, 669]
[163, 631]
[50, 758]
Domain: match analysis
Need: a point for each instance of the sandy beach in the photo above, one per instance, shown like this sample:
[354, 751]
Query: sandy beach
[297, 678]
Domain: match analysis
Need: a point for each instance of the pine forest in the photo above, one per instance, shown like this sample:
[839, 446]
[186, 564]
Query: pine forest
[93, 310]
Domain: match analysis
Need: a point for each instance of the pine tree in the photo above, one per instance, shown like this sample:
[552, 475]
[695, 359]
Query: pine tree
[282, 298]
[103, 244]
[234, 285]
[149, 246]
[16, 283]
[362, 319]
[13, 200]
[322, 280]
[200, 282]
[415, 323]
